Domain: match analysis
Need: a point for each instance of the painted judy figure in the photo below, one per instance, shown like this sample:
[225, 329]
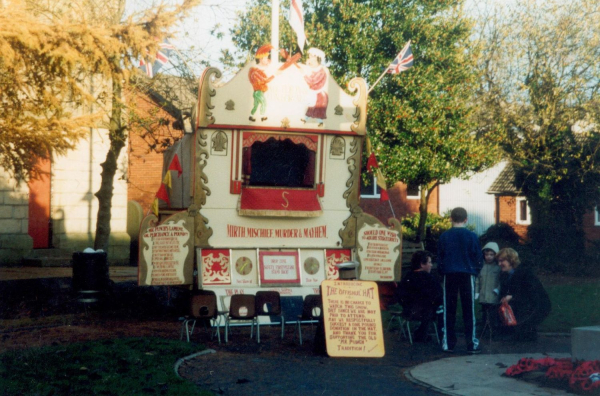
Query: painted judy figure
[316, 76]
[259, 80]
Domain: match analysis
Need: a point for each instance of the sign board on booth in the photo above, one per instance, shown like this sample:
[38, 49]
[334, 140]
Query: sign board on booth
[352, 319]
[167, 254]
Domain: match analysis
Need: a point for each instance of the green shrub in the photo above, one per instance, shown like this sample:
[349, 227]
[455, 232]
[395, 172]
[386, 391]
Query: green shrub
[503, 234]
[437, 223]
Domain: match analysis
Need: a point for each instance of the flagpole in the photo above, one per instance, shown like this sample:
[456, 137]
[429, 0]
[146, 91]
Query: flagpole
[392, 208]
[388, 68]
[275, 31]
[379, 79]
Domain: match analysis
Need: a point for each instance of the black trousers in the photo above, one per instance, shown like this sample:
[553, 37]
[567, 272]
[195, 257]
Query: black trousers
[456, 284]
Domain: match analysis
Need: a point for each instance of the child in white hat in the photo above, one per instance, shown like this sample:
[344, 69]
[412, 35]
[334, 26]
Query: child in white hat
[489, 285]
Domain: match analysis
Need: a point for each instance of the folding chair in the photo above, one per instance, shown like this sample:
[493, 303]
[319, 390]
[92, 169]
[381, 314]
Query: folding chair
[268, 303]
[312, 312]
[404, 318]
[203, 306]
[242, 307]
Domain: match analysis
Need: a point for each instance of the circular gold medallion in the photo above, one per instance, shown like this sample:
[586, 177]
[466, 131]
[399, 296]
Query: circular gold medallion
[311, 265]
[243, 266]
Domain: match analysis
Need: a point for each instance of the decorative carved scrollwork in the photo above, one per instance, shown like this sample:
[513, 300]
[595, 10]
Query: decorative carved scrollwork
[206, 92]
[360, 101]
[201, 191]
[348, 233]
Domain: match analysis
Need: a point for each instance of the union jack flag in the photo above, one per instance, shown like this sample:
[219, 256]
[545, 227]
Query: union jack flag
[403, 61]
[162, 58]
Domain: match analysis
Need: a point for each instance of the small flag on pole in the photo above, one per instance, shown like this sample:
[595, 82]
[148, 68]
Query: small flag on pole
[403, 61]
[161, 59]
[373, 167]
[176, 165]
[297, 22]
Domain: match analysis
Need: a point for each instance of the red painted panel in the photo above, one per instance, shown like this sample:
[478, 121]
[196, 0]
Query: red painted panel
[39, 207]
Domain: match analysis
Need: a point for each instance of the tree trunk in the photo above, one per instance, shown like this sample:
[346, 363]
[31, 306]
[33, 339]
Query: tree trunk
[424, 200]
[109, 169]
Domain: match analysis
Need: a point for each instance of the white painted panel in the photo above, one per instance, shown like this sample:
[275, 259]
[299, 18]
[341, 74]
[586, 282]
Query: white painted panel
[472, 195]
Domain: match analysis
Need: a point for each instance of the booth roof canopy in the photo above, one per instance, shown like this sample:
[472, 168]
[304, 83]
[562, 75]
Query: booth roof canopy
[267, 95]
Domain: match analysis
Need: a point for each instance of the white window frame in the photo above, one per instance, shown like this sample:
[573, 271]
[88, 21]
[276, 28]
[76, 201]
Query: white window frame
[596, 216]
[375, 189]
[418, 196]
[518, 220]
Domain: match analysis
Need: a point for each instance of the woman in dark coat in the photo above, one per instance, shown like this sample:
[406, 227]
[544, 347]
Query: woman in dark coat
[524, 292]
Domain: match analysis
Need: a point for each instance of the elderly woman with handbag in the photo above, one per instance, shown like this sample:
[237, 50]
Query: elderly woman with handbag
[524, 292]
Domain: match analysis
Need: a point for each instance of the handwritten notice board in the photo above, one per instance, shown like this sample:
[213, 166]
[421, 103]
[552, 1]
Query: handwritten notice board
[166, 251]
[352, 319]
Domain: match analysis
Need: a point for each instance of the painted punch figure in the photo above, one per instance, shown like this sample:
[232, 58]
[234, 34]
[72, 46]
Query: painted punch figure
[316, 76]
[460, 261]
[259, 80]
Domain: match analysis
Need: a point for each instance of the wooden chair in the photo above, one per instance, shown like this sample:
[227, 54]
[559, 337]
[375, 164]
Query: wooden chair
[242, 307]
[268, 303]
[203, 307]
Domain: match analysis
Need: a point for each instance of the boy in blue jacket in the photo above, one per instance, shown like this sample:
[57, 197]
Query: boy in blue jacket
[460, 261]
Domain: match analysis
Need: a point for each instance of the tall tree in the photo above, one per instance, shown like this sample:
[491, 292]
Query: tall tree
[419, 120]
[539, 90]
[53, 52]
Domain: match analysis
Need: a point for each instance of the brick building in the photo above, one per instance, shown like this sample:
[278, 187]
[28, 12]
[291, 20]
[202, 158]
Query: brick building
[512, 208]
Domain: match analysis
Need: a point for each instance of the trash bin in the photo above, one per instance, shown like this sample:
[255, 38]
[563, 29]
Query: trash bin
[90, 271]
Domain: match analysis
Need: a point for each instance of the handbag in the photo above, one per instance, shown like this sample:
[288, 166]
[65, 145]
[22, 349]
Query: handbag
[507, 315]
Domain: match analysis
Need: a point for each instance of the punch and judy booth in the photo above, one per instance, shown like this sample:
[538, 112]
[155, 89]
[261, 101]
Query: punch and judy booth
[264, 194]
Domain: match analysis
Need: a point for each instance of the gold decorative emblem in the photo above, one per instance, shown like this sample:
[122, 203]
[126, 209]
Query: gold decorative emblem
[230, 105]
[285, 123]
[219, 142]
[338, 147]
[311, 265]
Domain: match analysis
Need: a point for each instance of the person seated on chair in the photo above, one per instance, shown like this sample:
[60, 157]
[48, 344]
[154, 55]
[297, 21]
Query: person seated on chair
[420, 294]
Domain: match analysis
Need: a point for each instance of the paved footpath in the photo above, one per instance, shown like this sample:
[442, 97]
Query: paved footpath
[478, 375]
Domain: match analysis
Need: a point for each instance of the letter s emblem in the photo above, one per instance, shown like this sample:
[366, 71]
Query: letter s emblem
[285, 199]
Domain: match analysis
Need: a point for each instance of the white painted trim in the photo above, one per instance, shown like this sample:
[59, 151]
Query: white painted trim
[418, 196]
[518, 212]
[374, 185]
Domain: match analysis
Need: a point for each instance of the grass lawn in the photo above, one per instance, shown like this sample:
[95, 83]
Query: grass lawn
[574, 304]
[130, 366]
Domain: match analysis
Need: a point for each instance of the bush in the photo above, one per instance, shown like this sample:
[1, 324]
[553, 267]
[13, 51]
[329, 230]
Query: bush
[503, 234]
[437, 223]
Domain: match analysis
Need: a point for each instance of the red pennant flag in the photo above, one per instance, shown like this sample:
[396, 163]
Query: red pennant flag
[372, 162]
[163, 194]
[175, 165]
[383, 195]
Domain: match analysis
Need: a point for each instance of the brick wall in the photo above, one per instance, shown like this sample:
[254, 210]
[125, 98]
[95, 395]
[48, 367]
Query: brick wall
[145, 164]
[401, 204]
[14, 217]
[508, 215]
[592, 231]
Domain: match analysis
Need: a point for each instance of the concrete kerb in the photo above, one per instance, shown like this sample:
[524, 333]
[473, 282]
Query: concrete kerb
[180, 361]
[472, 375]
